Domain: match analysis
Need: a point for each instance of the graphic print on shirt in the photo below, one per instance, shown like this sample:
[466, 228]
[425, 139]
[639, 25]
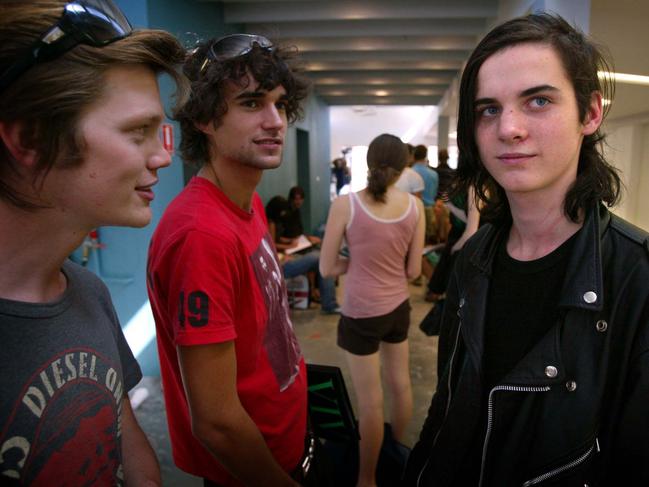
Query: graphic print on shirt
[65, 426]
[280, 342]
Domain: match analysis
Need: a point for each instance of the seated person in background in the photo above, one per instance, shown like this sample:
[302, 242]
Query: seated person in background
[277, 210]
[293, 227]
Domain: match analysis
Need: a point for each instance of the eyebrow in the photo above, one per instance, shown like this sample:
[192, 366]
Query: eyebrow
[145, 118]
[528, 92]
[250, 94]
[246, 95]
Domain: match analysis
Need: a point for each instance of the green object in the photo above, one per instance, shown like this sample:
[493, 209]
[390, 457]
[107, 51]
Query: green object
[433, 258]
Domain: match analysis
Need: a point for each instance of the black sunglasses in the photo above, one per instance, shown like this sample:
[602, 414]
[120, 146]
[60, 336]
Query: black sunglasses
[92, 22]
[234, 46]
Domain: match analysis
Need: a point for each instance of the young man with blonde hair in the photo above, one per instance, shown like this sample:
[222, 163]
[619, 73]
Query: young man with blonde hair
[79, 148]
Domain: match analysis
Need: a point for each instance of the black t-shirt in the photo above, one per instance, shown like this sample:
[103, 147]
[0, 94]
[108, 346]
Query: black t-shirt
[522, 307]
[292, 223]
[276, 210]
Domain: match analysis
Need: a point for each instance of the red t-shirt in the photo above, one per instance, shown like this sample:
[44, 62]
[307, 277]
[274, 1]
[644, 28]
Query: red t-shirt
[218, 261]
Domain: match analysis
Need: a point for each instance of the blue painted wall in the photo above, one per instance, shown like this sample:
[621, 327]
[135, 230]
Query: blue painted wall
[122, 263]
[280, 180]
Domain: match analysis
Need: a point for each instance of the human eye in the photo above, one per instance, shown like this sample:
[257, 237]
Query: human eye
[139, 133]
[250, 103]
[282, 105]
[487, 111]
[539, 102]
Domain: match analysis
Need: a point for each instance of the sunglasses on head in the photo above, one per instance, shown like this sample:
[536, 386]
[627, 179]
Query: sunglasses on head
[92, 22]
[234, 46]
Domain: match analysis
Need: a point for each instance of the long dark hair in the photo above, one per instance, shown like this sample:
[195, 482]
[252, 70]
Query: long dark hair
[386, 158]
[596, 179]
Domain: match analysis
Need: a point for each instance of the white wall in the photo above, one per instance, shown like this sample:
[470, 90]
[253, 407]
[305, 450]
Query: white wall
[352, 125]
[621, 26]
[627, 149]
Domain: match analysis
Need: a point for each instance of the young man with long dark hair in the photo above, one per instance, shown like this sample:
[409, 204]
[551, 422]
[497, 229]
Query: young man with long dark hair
[545, 336]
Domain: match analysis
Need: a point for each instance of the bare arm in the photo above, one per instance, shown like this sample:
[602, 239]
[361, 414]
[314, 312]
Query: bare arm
[331, 262]
[140, 463]
[220, 422]
[413, 261]
[472, 221]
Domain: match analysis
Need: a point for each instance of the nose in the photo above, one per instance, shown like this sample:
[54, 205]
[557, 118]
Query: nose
[274, 119]
[512, 125]
[159, 158]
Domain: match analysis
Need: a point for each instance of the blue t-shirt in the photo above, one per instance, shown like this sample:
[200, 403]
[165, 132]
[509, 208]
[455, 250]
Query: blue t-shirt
[431, 182]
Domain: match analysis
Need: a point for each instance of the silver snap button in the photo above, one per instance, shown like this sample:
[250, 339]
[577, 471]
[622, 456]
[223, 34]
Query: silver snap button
[571, 385]
[590, 297]
[601, 326]
[551, 371]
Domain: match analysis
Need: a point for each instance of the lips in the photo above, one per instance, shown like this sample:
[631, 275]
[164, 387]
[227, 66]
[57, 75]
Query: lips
[146, 191]
[514, 157]
[269, 141]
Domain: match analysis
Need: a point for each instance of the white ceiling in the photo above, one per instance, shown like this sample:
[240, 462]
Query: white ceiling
[406, 54]
[378, 52]
[358, 125]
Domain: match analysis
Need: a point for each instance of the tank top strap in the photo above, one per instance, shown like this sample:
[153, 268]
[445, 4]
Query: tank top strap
[413, 204]
[352, 208]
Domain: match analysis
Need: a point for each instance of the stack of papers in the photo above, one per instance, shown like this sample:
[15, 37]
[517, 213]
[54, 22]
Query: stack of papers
[302, 243]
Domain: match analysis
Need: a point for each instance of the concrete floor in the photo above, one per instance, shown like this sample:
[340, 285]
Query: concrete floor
[317, 336]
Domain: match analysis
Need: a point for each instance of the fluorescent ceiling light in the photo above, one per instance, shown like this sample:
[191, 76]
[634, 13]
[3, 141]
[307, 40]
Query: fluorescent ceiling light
[634, 79]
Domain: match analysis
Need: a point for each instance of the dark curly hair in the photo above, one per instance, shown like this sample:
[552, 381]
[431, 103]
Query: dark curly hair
[386, 158]
[596, 179]
[270, 68]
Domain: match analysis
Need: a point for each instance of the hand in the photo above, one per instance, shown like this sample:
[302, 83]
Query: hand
[314, 240]
[458, 245]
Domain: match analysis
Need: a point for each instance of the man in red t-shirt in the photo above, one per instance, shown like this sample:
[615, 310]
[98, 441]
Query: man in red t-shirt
[233, 373]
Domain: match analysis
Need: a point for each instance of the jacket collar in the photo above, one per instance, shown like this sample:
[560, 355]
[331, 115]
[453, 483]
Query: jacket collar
[583, 285]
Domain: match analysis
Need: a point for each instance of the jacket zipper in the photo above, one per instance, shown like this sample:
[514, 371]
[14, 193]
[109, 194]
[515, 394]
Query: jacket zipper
[563, 468]
[448, 401]
[490, 417]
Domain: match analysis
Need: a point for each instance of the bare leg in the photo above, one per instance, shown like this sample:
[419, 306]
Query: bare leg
[396, 372]
[366, 376]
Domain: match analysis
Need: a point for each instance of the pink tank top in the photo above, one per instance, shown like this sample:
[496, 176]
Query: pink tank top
[376, 282]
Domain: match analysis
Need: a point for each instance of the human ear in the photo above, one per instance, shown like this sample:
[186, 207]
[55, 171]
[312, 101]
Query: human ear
[11, 135]
[594, 115]
[206, 128]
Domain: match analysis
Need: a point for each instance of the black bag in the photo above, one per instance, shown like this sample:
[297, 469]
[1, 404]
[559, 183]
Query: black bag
[336, 431]
[432, 322]
[343, 458]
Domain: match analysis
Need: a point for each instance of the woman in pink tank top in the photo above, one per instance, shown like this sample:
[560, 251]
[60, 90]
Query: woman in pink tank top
[384, 231]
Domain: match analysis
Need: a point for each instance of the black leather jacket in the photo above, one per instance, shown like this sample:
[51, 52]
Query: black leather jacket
[575, 410]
